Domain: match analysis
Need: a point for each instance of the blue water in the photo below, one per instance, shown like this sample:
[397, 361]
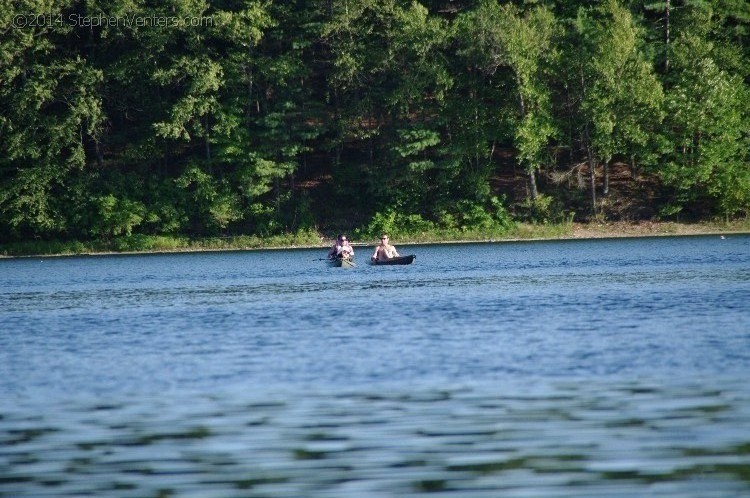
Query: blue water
[576, 368]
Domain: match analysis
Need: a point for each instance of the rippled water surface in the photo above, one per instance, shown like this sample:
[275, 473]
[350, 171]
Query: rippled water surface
[579, 368]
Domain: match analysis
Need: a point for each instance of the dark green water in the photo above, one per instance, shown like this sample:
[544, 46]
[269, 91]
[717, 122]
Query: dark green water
[589, 368]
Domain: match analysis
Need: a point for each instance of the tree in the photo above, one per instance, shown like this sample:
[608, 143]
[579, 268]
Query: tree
[708, 126]
[387, 81]
[506, 38]
[50, 111]
[617, 94]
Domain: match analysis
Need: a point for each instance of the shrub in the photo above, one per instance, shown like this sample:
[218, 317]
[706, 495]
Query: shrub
[116, 216]
[396, 224]
[544, 209]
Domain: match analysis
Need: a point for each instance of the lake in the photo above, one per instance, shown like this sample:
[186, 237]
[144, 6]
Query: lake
[596, 368]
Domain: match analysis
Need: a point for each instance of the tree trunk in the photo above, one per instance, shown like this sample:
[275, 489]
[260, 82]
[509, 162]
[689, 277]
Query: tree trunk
[521, 104]
[666, 40]
[207, 145]
[250, 80]
[532, 184]
[99, 153]
[579, 178]
[592, 180]
[533, 192]
[605, 180]
[633, 168]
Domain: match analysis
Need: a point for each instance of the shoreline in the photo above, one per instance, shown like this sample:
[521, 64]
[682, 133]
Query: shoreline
[654, 229]
[524, 233]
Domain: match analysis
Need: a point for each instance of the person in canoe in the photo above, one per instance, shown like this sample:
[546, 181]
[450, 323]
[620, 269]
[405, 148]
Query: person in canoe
[384, 250]
[341, 249]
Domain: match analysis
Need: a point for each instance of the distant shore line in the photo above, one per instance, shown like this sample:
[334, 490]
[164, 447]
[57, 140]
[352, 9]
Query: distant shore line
[145, 244]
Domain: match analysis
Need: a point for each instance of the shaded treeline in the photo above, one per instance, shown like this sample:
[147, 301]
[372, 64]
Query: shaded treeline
[260, 117]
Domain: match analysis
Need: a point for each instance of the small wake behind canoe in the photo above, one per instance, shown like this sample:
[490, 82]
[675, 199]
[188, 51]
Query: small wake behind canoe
[401, 260]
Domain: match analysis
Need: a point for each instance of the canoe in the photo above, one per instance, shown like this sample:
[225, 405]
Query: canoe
[401, 260]
[342, 262]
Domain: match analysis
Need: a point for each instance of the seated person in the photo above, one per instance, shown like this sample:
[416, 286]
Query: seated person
[341, 249]
[384, 250]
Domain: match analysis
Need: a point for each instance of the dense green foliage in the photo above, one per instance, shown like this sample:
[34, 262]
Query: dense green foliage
[199, 117]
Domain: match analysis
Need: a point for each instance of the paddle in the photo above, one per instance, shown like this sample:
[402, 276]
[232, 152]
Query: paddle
[331, 259]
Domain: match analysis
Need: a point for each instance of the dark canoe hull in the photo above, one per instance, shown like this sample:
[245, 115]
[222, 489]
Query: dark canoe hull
[341, 263]
[401, 260]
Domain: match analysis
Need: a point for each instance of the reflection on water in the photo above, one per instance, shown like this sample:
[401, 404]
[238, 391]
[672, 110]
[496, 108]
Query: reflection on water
[599, 368]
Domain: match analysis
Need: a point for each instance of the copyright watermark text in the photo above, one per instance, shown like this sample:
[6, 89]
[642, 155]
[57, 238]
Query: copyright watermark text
[105, 21]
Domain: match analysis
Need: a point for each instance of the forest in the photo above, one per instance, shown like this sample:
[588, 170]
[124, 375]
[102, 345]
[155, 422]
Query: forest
[241, 117]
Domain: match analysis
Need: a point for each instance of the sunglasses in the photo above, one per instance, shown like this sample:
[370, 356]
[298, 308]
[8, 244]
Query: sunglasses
[383, 238]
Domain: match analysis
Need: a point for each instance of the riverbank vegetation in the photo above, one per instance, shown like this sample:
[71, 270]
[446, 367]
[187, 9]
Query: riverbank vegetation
[138, 243]
[187, 124]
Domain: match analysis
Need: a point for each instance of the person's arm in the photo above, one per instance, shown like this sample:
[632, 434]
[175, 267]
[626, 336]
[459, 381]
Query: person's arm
[375, 254]
[395, 252]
